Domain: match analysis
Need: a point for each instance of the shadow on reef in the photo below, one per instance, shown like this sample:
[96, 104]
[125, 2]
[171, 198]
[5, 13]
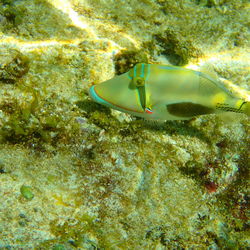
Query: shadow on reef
[101, 117]
[90, 107]
[176, 127]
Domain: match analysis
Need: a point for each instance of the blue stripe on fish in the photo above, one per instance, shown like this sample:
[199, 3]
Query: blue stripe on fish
[130, 77]
[135, 71]
[142, 70]
[96, 98]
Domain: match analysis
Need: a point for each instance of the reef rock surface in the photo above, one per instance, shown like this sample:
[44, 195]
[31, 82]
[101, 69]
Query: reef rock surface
[76, 175]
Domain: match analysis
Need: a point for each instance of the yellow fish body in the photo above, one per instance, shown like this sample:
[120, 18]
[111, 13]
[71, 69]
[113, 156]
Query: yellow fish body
[164, 92]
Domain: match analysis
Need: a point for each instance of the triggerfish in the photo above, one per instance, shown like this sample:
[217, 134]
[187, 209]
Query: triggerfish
[164, 92]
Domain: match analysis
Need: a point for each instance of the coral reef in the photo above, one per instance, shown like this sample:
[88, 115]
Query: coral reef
[76, 175]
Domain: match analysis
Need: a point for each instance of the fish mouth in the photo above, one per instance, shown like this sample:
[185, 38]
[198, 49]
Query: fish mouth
[95, 97]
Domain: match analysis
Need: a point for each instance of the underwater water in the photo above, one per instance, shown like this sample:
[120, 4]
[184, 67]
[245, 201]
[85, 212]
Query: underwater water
[75, 174]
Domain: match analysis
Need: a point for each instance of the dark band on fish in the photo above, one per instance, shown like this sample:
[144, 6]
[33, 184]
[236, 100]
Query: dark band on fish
[188, 109]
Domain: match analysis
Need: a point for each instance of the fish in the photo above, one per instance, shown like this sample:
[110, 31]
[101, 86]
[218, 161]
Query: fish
[166, 92]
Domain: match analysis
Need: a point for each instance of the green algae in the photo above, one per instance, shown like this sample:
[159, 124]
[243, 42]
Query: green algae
[59, 247]
[26, 192]
[177, 49]
[13, 65]
[127, 59]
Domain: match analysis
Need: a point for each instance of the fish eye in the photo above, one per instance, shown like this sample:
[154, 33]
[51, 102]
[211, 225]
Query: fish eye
[139, 82]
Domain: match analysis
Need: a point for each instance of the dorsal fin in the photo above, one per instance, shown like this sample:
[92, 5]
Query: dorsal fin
[207, 69]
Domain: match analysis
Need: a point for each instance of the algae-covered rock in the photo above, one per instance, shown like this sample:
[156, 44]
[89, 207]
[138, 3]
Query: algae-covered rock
[13, 65]
[101, 179]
